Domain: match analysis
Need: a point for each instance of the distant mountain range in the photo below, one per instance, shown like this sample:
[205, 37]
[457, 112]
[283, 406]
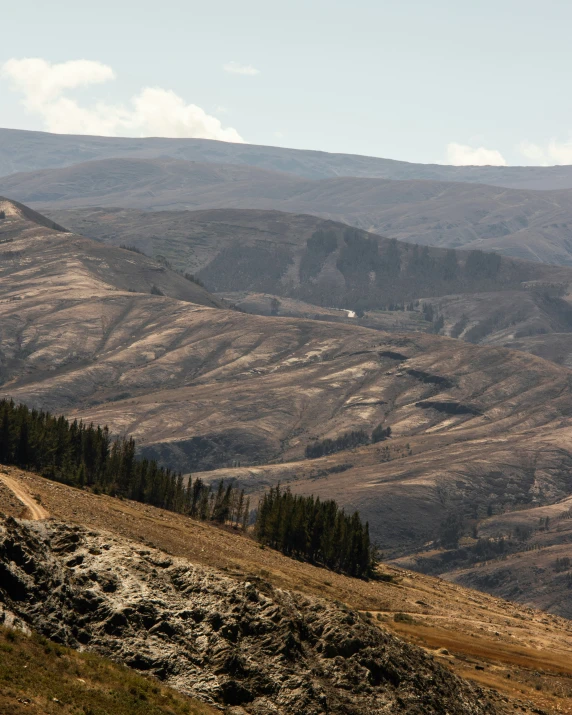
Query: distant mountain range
[28, 151]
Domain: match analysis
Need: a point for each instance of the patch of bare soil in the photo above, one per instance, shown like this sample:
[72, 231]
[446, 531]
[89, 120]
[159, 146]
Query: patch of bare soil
[32, 509]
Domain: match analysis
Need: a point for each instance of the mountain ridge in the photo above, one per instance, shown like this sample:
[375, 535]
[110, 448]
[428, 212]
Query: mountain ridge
[21, 150]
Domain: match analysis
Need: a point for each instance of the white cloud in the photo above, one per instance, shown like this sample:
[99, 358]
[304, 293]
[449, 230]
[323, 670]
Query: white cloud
[41, 82]
[464, 155]
[152, 112]
[237, 68]
[552, 153]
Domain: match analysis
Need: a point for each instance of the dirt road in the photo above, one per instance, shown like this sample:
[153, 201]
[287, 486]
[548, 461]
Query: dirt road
[35, 510]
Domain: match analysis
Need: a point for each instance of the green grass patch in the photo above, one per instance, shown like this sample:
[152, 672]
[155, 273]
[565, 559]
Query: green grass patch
[38, 676]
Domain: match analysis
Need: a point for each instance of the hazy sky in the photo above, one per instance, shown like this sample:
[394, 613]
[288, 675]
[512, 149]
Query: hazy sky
[452, 81]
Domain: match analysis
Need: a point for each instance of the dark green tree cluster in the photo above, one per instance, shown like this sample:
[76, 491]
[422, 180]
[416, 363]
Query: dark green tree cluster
[86, 456]
[318, 247]
[320, 532]
[359, 255]
[482, 265]
[380, 433]
[348, 440]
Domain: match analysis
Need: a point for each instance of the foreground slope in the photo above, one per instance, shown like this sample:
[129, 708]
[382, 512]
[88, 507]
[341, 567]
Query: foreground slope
[222, 640]
[521, 653]
[522, 223]
[29, 150]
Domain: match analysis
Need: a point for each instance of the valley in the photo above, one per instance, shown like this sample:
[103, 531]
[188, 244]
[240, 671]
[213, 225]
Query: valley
[478, 432]
[394, 286]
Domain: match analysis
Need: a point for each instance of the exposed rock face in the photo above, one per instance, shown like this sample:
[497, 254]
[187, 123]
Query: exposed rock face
[245, 646]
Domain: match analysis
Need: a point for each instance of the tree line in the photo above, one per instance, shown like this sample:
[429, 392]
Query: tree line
[347, 440]
[318, 531]
[83, 455]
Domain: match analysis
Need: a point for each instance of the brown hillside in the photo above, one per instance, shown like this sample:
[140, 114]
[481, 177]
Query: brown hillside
[474, 428]
[242, 253]
[477, 431]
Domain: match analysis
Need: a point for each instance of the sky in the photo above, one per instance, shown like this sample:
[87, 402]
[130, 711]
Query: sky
[440, 81]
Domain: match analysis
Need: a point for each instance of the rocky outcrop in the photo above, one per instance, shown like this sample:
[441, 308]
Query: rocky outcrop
[244, 646]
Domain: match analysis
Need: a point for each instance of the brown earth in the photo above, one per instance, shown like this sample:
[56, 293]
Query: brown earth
[525, 306]
[33, 510]
[522, 653]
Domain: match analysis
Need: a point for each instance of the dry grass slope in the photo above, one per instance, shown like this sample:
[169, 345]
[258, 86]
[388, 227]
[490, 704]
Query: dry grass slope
[475, 429]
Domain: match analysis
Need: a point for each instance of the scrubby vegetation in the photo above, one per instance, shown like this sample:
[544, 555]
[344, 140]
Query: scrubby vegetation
[387, 274]
[133, 249]
[320, 532]
[318, 247]
[348, 440]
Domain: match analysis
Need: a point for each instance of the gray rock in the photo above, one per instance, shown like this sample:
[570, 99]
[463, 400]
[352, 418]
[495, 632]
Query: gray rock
[247, 647]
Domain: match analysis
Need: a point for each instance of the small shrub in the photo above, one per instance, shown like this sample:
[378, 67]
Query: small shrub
[156, 291]
[403, 618]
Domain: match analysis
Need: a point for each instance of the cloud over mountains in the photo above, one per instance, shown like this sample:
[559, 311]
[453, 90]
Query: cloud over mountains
[464, 155]
[154, 111]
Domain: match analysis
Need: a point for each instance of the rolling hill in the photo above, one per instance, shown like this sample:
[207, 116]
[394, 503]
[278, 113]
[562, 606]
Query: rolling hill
[536, 225]
[29, 150]
[269, 261]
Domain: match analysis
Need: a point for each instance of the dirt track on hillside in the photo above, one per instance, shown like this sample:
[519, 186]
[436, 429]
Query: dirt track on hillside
[35, 510]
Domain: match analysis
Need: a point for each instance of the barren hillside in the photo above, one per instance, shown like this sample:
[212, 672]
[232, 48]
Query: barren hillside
[473, 428]
[242, 253]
